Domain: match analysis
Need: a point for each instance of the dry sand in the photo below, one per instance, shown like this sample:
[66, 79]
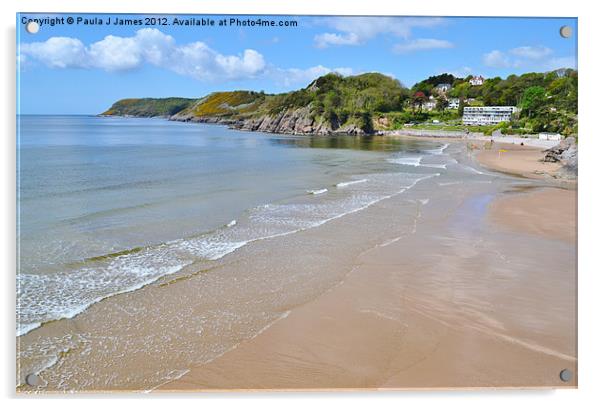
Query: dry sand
[515, 159]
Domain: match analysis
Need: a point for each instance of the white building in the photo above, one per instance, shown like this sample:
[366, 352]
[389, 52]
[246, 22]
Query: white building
[550, 136]
[453, 103]
[429, 105]
[476, 80]
[443, 87]
[484, 115]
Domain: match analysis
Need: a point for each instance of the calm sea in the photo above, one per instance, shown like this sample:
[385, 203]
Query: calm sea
[108, 205]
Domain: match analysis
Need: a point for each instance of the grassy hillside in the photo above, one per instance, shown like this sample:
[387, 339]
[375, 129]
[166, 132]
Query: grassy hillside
[331, 98]
[349, 100]
[227, 104]
[148, 107]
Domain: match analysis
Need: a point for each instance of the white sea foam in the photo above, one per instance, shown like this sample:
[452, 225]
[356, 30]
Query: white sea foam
[210, 249]
[231, 223]
[443, 166]
[471, 169]
[346, 184]
[56, 296]
[317, 191]
[438, 151]
[390, 241]
[170, 377]
[415, 162]
[23, 328]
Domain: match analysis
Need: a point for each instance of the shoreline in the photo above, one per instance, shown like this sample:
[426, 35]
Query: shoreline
[434, 135]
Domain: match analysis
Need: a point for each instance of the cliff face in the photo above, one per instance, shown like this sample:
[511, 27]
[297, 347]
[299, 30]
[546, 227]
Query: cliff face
[292, 121]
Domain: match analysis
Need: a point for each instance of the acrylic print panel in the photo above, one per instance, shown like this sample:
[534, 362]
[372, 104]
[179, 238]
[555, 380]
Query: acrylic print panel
[295, 202]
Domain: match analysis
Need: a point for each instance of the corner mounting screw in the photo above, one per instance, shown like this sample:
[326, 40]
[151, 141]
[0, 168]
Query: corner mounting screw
[566, 375]
[32, 379]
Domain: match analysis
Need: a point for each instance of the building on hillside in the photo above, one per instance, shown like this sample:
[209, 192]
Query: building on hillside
[429, 105]
[443, 87]
[453, 103]
[484, 115]
[476, 80]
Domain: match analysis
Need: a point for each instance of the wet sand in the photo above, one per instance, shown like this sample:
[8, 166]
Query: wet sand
[481, 294]
[548, 212]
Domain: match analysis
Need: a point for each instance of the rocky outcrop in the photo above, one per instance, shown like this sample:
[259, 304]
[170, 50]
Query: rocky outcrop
[555, 154]
[566, 153]
[292, 121]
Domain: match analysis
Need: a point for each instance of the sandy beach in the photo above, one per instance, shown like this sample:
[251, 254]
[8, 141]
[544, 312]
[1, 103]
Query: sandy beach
[492, 304]
[515, 159]
[465, 280]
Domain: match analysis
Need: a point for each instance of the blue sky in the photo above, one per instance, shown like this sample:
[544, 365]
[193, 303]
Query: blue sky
[83, 69]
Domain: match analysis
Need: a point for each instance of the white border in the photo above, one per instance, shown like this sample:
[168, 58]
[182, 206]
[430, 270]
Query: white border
[590, 271]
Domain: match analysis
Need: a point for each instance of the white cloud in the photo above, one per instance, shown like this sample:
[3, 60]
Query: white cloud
[327, 39]
[22, 60]
[528, 57]
[295, 76]
[358, 30]
[56, 52]
[150, 46]
[461, 72]
[421, 44]
[561, 62]
[530, 52]
[114, 53]
[199, 61]
[496, 59]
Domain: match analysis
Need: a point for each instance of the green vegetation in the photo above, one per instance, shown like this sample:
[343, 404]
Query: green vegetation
[227, 104]
[547, 101]
[372, 101]
[340, 101]
[148, 107]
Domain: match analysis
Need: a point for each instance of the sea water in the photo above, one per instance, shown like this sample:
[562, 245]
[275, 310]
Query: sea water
[109, 205]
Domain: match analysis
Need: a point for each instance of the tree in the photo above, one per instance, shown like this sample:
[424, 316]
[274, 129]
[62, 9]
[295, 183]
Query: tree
[533, 99]
[441, 103]
[418, 99]
[461, 107]
[424, 87]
